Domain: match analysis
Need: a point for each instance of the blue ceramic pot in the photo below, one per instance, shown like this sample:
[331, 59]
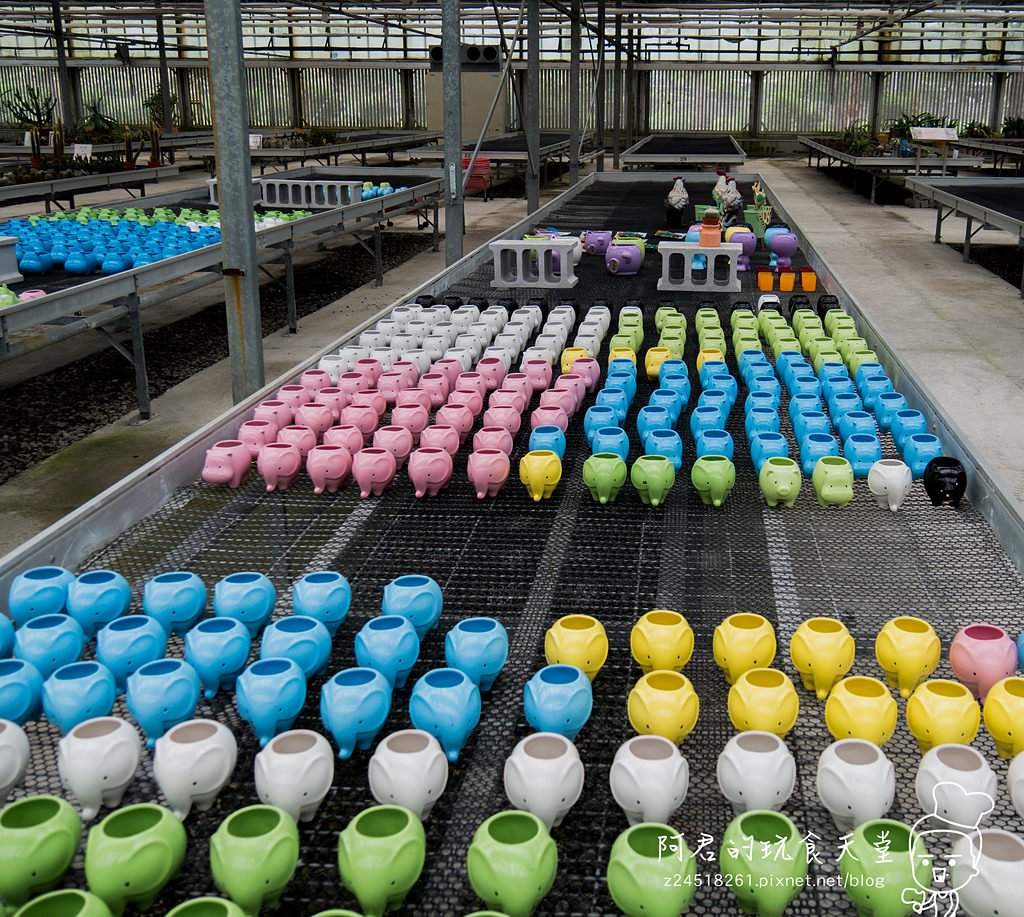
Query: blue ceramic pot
[446, 703]
[680, 384]
[767, 383]
[760, 400]
[841, 402]
[78, 692]
[714, 442]
[21, 691]
[906, 422]
[300, 638]
[815, 446]
[919, 450]
[862, 450]
[548, 436]
[354, 704]
[218, 649]
[248, 597]
[324, 595]
[6, 636]
[390, 645]
[856, 422]
[787, 359]
[177, 600]
[867, 369]
[558, 698]
[270, 694]
[835, 384]
[39, 591]
[616, 399]
[810, 422]
[711, 368]
[724, 382]
[478, 647]
[49, 642]
[669, 399]
[162, 694]
[832, 368]
[753, 363]
[622, 365]
[1020, 650]
[761, 420]
[611, 439]
[805, 384]
[872, 387]
[804, 401]
[706, 417]
[886, 406]
[600, 415]
[799, 370]
[128, 643]
[623, 380]
[765, 445]
[671, 367]
[667, 443]
[652, 417]
[96, 598]
[415, 597]
[711, 397]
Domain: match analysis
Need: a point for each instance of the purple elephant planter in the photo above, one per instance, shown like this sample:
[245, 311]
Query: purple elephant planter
[623, 259]
[596, 242]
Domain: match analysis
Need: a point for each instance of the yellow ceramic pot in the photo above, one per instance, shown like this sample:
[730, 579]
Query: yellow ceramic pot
[711, 353]
[1004, 716]
[941, 711]
[653, 359]
[663, 704]
[577, 640]
[861, 708]
[661, 640]
[540, 470]
[570, 355]
[908, 650]
[822, 651]
[621, 353]
[743, 641]
[765, 700]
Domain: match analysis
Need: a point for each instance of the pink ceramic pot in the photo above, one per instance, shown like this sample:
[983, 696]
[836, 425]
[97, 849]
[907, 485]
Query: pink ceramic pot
[456, 415]
[293, 396]
[347, 435]
[574, 383]
[334, 398]
[471, 382]
[374, 470]
[430, 470]
[436, 386]
[328, 467]
[317, 416]
[373, 398]
[563, 398]
[493, 437]
[503, 415]
[390, 384]
[279, 464]
[256, 434]
[589, 370]
[488, 471]
[521, 382]
[414, 396]
[441, 436]
[980, 655]
[353, 382]
[371, 368]
[315, 379]
[539, 374]
[298, 435]
[362, 416]
[397, 440]
[407, 370]
[29, 295]
[508, 396]
[552, 414]
[471, 400]
[276, 412]
[227, 462]
[492, 371]
[449, 368]
[414, 417]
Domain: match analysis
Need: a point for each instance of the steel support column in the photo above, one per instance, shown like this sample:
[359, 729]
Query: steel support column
[165, 78]
[533, 104]
[630, 84]
[574, 92]
[599, 88]
[617, 88]
[451, 34]
[67, 93]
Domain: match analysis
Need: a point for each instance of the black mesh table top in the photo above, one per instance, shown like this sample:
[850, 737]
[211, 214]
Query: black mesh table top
[1006, 199]
[684, 145]
[516, 143]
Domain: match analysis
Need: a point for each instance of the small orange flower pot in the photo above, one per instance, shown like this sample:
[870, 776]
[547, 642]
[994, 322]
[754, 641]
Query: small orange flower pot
[765, 279]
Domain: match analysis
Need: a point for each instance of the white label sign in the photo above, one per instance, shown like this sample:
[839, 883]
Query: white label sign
[82, 151]
[255, 141]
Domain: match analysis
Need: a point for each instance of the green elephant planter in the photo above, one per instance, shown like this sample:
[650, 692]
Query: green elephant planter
[876, 883]
[512, 862]
[780, 481]
[653, 477]
[714, 477]
[642, 869]
[604, 473]
[38, 838]
[833, 481]
[68, 902]
[763, 885]
[207, 907]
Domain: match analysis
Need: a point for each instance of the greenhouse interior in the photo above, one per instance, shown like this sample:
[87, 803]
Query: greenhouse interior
[555, 457]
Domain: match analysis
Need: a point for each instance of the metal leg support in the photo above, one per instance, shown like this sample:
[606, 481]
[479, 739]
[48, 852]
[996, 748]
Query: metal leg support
[139, 357]
[968, 234]
[378, 256]
[289, 289]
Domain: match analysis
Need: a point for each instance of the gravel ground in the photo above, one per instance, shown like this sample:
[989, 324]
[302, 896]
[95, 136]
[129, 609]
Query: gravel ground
[1004, 261]
[99, 389]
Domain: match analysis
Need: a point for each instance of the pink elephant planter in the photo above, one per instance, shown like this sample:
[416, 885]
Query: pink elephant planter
[328, 468]
[227, 462]
[436, 386]
[371, 396]
[471, 400]
[575, 383]
[390, 384]
[456, 415]
[493, 437]
[539, 374]
[317, 416]
[441, 436]
[397, 440]
[347, 435]
[559, 398]
[589, 370]
[488, 471]
[414, 396]
[371, 368]
[293, 396]
[279, 464]
[315, 379]
[551, 414]
[503, 415]
[414, 417]
[492, 371]
[449, 367]
[508, 396]
[335, 399]
[521, 382]
[980, 655]
[374, 470]
[362, 416]
[430, 470]
[277, 412]
[471, 382]
[298, 435]
[256, 434]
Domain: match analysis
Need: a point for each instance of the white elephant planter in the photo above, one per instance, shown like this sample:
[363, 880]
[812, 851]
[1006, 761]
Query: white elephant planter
[192, 763]
[890, 481]
[856, 782]
[756, 771]
[544, 775]
[14, 755]
[409, 768]
[97, 760]
[294, 771]
[649, 778]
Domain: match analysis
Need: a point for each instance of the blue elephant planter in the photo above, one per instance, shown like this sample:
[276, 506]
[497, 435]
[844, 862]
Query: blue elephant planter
[390, 645]
[558, 698]
[478, 647]
[446, 703]
[218, 649]
[354, 705]
[162, 694]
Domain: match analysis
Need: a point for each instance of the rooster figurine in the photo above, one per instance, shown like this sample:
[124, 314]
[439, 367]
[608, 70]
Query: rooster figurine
[731, 203]
[678, 197]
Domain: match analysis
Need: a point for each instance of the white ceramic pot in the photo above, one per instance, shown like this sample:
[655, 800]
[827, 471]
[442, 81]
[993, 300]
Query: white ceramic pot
[192, 762]
[410, 769]
[756, 771]
[956, 786]
[649, 778]
[97, 760]
[350, 354]
[14, 755]
[509, 342]
[590, 343]
[600, 314]
[856, 782]
[463, 355]
[1015, 783]
[294, 771]
[998, 858]
[544, 775]
[499, 353]
[890, 481]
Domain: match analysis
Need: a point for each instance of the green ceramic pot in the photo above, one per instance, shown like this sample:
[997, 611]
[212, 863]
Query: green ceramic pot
[253, 854]
[380, 857]
[651, 872]
[512, 862]
[207, 907]
[763, 882]
[336, 913]
[833, 481]
[653, 477]
[38, 838]
[881, 860]
[131, 855]
[714, 477]
[780, 479]
[604, 473]
[67, 902]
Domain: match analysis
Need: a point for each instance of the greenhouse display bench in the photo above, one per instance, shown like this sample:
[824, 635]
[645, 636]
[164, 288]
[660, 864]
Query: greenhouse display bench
[65, 189]
[666, 149]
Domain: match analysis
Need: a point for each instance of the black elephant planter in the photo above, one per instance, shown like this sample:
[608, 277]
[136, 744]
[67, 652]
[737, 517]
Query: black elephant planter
[945, 480]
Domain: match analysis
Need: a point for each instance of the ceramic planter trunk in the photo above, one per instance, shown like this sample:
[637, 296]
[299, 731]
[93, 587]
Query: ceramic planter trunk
[38, 591]
[294, 772]
[97, 761]
[942, 711]
[661, 640]
[544, 775]
[446, 703]
[39, 836]
[649, 778]
[132, 854]
[980, 655]
[380, 856]
[822, 651]
[756, 770]
[558, 698]
[856, 782]
[304, 640]
[270, 694]
[908, 651]
[354, 704]
[764, 700]
[512, 862]
[763, 885]
[998, 858]
[14, 757]
[218, 649]
[478, 647]
[578, 640]
[409, 769]
[663, 703]
[861, 708]
[642, 867]
[162, 694]
[192, 762]
[743, 641]
[883, 885]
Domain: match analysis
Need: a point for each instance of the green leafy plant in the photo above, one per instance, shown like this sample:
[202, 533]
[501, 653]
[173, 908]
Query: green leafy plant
[857, 139]
[154, 107]
[900, 127]
[974, 129]
[30, 107]
[96, 127]
[1013, 127]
